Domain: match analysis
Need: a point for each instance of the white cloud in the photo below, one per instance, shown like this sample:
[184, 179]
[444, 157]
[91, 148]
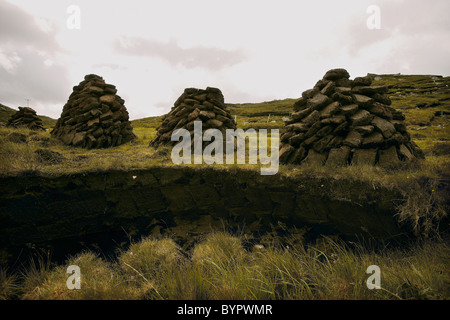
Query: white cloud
[10, 61]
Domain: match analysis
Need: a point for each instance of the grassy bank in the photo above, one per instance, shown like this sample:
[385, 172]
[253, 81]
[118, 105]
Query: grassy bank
[424, 184]
[224, 267]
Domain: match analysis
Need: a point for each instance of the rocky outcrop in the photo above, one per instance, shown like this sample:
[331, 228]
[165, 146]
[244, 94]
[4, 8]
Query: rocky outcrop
[26, 117]
[94, 116]
[342, 121]
[193, 105]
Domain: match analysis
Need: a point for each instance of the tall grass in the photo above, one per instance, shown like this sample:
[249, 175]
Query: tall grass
[221, 268]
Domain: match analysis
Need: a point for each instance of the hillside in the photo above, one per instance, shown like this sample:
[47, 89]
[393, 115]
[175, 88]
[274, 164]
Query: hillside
[425, 102]
[5, 113]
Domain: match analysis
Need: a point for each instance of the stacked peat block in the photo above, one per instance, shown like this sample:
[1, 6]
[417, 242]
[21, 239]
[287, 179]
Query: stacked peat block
[193, 105]
[25, 117]
[342, 121]
[94, 116]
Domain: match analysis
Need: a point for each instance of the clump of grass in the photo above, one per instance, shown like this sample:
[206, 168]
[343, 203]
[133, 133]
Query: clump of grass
[219, 249]
[150, 258]
[8, 285]
[424, 208]
[99, 280]
[34, 277]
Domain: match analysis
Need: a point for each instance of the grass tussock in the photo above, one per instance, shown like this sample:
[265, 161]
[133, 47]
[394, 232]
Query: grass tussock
[221, 268]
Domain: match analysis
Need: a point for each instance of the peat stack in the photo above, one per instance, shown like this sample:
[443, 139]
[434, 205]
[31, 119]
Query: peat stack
[193, 105]
[94, 116]
[26, 117]
[342, 121]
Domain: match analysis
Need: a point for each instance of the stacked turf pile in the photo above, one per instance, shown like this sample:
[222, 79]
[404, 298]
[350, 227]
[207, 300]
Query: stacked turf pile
[94, 116]
[25, 117]
[342, 121]
[193, 105]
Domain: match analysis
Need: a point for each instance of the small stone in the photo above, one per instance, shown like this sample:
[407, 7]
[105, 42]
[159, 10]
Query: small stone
[343, 82]
[318, 101]
[285, 151]
[312, 118]
[321, 84]
[299, 115]
[300, 104]
[353, 139]
[342, 98]
[365, 130]
[388, 156]
[381, 110]
[362, 81]
[190, 102]
[95, 90]
[315, 158]
[297, 139]
[365, 156]
[286, 136]
[310, 93]
[372, 140]
[297, 127]
[361, 118]
[338, 157]
[108, 99]
[381, 98]
[321, 146]
[328, 89]
[330, 110]
[362, 100]
[341, 128]
[404, 152]
[416, 151]
[385, 127]
[336, 120]
[343, 90]
[349, 109]
[336, 74]
[194, 114]
[214, 123]
[206, 115]
[400, 126]
[78, 139]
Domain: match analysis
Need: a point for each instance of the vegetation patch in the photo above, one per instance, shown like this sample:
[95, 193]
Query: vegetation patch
[223, 267]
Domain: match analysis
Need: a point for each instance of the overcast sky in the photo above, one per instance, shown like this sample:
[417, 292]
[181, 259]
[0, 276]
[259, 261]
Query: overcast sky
[253, 50]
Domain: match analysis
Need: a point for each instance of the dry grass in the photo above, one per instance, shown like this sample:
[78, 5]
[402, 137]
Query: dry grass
[220, 268]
